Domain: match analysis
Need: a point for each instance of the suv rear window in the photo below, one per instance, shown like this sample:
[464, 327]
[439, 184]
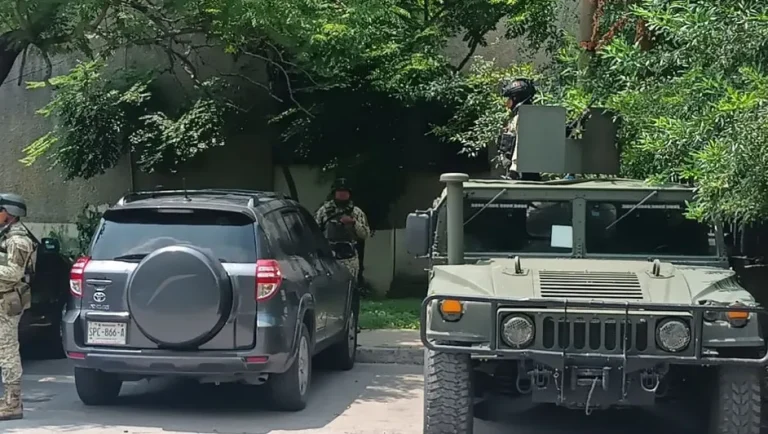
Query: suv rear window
[132, 234]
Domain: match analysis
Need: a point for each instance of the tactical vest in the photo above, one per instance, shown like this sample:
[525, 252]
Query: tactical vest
[18, 297]
[341, 237]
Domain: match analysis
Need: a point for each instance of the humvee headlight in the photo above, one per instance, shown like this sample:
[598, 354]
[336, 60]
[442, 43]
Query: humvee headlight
[517, 331]
[673, 335]
[737, 318]
[451, 310]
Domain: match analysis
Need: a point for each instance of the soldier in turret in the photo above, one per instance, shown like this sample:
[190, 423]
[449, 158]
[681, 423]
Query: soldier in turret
[516, 93]
[344, 225]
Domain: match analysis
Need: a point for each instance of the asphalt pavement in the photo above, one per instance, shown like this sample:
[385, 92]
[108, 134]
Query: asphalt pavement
[371, 399]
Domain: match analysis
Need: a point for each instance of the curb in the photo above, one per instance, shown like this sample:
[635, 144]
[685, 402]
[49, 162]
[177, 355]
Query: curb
[391, 355]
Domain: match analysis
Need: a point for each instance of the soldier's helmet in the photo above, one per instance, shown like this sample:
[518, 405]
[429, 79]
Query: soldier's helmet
[341, 184]
[519, 90]
[13, 204]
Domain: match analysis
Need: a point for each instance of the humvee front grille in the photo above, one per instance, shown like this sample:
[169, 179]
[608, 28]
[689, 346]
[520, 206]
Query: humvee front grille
[583, 334]
[590, 285]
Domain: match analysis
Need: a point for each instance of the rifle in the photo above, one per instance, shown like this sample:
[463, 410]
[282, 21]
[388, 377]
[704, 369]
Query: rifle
[569, 128]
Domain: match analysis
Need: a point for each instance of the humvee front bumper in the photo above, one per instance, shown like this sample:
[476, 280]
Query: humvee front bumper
[595, 333]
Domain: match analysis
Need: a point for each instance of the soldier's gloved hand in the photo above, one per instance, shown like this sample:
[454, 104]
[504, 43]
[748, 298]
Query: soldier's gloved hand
[347, 220]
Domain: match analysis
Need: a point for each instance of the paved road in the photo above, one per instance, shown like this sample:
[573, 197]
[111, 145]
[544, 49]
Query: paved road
[371, 399]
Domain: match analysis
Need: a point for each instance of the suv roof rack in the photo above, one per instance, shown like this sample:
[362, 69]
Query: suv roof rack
[252, 195]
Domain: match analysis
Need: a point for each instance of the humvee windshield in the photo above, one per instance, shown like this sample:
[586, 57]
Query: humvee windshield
[527, 226]
[531, 226]
[652, 228]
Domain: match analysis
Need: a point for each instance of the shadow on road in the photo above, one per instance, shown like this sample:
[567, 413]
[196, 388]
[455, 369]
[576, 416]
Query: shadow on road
[186, 406]
[554, 420]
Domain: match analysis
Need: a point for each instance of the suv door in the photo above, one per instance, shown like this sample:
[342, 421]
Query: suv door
[317, 278]
[339, 284]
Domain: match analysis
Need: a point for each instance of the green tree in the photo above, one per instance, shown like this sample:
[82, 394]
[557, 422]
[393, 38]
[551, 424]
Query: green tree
[390, 52]
[688, 80]
[693, 100]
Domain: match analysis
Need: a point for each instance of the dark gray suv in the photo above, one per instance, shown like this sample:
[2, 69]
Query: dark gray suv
[216, 285]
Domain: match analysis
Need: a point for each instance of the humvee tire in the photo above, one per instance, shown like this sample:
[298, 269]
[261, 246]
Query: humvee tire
[736, 401]
[448, 393]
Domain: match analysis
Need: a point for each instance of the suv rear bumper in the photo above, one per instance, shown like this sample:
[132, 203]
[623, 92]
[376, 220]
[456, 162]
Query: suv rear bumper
[140, 363]
[273, 353]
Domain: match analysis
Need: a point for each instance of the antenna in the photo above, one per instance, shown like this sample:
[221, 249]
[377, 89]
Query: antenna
[184, 187]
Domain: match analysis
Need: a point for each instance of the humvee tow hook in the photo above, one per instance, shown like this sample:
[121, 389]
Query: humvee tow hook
[650, 381]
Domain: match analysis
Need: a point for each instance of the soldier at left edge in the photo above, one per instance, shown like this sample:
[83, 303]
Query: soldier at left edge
[15, 297]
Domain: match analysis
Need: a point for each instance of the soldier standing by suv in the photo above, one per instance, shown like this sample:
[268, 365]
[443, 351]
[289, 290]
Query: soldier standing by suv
[14, 298]
[344, 225]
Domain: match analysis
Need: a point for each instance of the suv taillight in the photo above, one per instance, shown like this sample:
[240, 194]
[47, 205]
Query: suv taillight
[77, 276]
[268, 279]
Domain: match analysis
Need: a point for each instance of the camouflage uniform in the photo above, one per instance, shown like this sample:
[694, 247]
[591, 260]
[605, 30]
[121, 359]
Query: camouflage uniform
[15, 299]
[511, 164]
[362, 230]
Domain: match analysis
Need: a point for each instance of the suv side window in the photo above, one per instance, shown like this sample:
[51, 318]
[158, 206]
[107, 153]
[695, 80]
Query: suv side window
[302, 244]
[274, 229]
[321, 246]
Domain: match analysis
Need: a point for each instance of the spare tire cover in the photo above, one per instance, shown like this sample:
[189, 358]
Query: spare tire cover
[180, 296]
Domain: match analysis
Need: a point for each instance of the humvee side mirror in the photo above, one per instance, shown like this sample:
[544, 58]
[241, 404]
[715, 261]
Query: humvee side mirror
[418, 230]
[50, 245]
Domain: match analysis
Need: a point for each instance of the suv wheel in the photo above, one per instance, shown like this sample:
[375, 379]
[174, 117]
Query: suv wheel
[289, 390]
[736, 401]
[97, 387]
[448, 393]
[342, 355]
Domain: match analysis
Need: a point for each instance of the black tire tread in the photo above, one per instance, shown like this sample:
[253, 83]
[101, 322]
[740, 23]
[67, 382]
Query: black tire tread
[737, 406]
[284, 388]
[337, 356]
[97, 388]
[448, 393]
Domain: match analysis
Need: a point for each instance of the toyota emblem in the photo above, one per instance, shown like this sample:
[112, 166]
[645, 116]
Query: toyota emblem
[99, 296]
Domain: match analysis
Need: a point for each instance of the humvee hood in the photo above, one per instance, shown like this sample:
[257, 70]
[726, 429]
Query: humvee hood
[589, 279]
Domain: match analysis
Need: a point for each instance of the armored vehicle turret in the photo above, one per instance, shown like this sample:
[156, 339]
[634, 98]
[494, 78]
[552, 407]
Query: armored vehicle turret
[589, 294]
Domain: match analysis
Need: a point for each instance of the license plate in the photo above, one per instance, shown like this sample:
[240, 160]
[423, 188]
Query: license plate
[106, 333]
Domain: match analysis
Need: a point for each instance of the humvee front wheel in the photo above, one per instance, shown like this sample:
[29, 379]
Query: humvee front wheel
[736, 401]
[448, 393]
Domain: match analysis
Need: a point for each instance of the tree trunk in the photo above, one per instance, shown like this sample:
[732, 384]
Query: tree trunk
[292, 190]
[11, 45]
[587, 10]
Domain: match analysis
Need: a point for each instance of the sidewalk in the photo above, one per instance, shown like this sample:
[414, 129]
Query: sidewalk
[390, 346]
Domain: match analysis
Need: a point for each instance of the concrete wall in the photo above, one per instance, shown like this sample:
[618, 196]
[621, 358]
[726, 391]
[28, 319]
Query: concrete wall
[505, 52]
[50, 198]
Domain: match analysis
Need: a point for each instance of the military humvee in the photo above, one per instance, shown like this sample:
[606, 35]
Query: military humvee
[589, 294]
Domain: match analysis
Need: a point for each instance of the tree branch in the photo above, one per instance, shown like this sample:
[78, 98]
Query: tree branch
[465, 60]
[21, 68]
[287, 79]
[21, 15]
[48, 67]
[282, 59]
[254, 83]
[93, 25]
